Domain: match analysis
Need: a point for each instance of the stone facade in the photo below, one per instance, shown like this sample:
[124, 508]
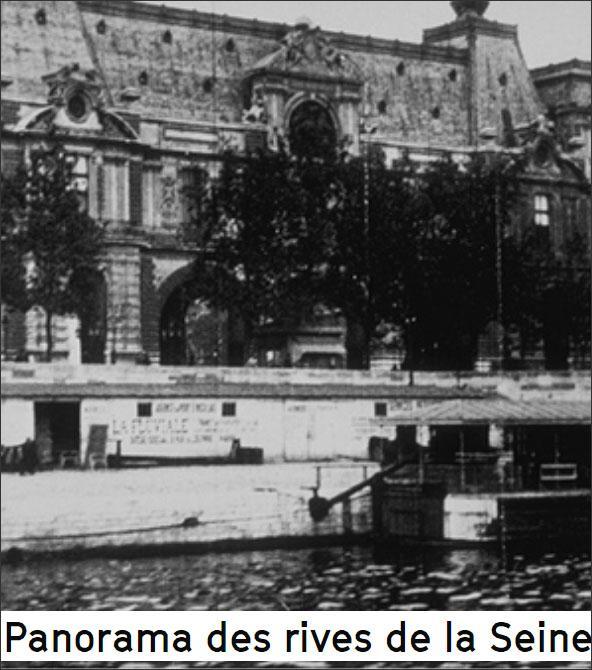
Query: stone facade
[565, 90]
[161, 89]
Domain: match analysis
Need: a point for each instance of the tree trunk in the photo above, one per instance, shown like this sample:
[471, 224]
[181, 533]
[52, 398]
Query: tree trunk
[48, 336]
[238, 338]
[357, 345]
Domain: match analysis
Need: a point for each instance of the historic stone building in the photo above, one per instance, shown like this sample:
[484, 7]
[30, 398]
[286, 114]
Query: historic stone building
[564, 89]
[140, 94]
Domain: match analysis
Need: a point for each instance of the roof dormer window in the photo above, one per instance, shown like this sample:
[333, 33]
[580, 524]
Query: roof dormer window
[78, 107]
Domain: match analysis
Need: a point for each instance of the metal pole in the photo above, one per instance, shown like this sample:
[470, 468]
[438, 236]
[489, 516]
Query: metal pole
[367, 234]
[498, 272]
[411, 341]
[421, 467]
[462, 460]
[5, 336]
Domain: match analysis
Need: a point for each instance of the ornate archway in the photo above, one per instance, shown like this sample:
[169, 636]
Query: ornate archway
[311, 129]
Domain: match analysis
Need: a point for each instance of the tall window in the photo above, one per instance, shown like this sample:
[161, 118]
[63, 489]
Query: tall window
[79, 165]
[152, 198]
[541, 211]
[116, 204]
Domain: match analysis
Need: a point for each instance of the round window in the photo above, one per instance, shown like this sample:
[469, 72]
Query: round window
[77, 107]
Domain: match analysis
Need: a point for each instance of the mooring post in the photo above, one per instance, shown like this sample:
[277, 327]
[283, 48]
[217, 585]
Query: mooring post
[377, 504]
[463, 482]
[347, 516]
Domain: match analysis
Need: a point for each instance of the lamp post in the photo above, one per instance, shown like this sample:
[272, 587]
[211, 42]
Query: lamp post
[499, 271]
[410, 322]
[366, 130]
[5, 324]
[495, 155]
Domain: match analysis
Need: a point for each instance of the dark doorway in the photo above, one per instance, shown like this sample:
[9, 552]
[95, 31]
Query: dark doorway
[93, 322]
[172, 329]
[57, 432]
[191, 333]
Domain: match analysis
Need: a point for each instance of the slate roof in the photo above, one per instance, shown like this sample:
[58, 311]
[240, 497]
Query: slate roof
[74, 391]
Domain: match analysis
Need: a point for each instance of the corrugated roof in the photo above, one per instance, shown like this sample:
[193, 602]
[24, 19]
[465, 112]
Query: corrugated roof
[502, 410]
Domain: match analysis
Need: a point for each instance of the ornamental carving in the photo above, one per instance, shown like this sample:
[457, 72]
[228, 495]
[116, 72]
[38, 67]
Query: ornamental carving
[306, 51]
[169, 200]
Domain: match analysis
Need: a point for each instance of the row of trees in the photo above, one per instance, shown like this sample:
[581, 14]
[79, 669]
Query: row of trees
[401, 249]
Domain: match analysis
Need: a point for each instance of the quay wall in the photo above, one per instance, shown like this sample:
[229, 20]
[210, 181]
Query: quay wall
[573, 384]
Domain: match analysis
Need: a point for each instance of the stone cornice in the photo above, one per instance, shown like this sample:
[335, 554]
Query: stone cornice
[267, 29]
[470, 23]
[574, 67]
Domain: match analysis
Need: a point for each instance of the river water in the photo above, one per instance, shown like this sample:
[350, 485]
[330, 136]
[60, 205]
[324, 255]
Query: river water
[354, 578]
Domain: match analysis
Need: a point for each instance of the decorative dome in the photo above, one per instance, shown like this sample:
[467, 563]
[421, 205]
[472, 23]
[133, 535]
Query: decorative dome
[462, 7]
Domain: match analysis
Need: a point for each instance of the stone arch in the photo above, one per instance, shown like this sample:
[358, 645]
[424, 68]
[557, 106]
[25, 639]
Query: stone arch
[312, 115]
[191, 333]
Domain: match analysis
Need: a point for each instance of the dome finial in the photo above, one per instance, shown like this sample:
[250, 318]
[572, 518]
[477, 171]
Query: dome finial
[475, 7]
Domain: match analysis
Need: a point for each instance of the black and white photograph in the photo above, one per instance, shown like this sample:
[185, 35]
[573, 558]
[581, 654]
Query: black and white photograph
[295, 317]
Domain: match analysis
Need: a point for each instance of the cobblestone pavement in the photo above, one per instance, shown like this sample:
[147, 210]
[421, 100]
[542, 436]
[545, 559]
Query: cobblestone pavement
[328, 579]
[66, 508]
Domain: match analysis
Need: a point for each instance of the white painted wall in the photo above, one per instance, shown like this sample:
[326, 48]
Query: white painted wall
[18, 421]
[194, 427]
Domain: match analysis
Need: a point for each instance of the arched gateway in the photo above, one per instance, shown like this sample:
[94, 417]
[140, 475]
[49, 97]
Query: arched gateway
[192, 333]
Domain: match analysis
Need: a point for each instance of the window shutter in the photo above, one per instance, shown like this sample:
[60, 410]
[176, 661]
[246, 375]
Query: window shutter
[135, 192]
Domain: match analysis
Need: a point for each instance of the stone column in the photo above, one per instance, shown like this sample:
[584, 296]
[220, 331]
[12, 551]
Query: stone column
[274, 94]
[73, 329]
[347, 104]
[123, 303]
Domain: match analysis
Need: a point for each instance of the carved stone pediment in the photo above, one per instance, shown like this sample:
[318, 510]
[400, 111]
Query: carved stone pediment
[306, 52]
[76, 106]
[69, 81]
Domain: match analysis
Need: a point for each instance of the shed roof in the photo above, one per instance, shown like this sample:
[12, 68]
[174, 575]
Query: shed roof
[503, 411]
